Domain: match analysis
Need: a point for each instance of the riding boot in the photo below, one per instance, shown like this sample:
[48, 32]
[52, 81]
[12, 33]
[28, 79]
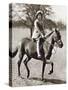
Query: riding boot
[38, 48]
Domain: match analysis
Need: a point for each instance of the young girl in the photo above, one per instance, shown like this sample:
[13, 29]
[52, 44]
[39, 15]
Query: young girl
[38, 30]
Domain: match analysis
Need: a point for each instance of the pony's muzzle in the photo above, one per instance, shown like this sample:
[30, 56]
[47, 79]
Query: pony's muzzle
[61, 44]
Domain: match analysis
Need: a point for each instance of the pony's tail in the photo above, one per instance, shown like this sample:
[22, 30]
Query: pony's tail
[13, 54]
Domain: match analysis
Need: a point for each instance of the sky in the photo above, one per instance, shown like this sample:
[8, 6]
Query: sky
[59, 13]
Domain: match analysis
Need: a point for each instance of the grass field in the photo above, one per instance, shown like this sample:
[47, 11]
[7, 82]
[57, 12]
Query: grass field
[35, 66]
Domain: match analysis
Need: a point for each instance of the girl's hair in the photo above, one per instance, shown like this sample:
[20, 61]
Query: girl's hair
[39, 14]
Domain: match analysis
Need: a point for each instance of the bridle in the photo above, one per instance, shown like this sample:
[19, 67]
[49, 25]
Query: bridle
[56, 39]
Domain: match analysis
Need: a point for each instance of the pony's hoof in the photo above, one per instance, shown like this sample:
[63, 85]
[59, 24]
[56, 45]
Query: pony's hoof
[27, 76]
[50, 72]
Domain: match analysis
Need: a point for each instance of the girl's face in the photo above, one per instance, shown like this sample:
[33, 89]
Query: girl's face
[39, 17]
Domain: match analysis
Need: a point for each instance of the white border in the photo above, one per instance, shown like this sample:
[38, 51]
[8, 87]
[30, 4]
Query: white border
[4, 40]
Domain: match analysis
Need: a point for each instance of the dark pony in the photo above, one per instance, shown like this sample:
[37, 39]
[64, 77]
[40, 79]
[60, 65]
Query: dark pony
[28, 47]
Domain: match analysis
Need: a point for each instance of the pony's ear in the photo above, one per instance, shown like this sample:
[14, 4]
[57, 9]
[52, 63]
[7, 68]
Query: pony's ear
[56, 29]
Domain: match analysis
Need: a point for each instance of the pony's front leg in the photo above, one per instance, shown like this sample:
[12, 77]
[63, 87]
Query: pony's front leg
[51, 71]
[43, 69]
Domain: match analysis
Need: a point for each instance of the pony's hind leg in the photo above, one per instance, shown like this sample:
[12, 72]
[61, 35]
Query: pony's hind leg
[25, 63]
[19, 63]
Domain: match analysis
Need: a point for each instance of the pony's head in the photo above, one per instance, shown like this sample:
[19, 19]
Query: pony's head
[57, 38]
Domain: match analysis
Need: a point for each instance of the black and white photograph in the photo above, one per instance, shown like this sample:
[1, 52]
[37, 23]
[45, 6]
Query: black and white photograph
[37, 44]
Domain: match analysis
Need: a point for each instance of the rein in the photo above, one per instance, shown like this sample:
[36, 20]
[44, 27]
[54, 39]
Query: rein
[48, 35]
[51, 43]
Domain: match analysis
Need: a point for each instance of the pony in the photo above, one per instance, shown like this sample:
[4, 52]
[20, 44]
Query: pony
[28, 48]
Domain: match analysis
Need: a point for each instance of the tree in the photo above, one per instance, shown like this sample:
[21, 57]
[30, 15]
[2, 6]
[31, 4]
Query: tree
[29, 11]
